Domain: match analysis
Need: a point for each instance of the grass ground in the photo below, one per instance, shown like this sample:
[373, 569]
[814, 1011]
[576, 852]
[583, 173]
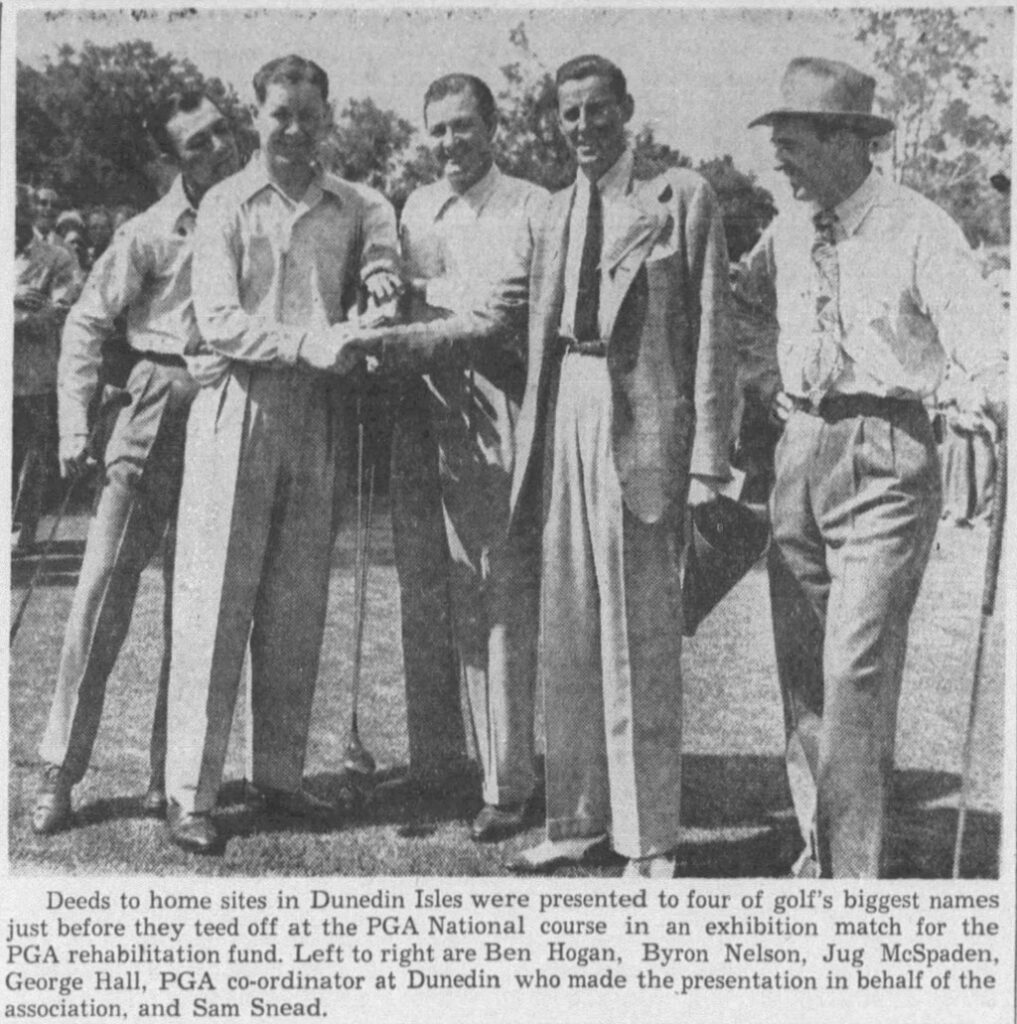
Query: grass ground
[735, 801]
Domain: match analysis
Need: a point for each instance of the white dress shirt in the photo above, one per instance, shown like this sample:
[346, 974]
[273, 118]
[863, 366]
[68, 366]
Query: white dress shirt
[911, 294]
[613, 186]
[269, 270]
[465, 244]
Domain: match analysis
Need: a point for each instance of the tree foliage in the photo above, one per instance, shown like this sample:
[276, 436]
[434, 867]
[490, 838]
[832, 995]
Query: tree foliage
[82, 122]
[952, 117]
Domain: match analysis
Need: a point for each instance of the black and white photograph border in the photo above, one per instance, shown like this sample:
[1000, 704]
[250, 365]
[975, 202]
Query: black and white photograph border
[697, 77]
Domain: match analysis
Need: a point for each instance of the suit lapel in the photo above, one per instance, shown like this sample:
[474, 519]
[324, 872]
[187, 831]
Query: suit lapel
[646, 216]
[552, 265]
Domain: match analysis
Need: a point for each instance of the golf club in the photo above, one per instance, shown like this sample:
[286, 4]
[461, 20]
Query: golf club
[992, 560]
[113, 400]
[357, 758]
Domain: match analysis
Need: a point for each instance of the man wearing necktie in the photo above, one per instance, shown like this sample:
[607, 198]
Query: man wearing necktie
[628, 396]
[629, 391]
[871, 288]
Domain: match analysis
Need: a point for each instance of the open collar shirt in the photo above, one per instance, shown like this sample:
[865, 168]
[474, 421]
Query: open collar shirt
[145, 273]
[464, 244]
[269, 269]
[911, 295]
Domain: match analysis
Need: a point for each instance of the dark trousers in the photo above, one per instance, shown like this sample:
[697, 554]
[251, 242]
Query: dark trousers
[32, 458]
[434, 719]
[136, 511]
[854, 514]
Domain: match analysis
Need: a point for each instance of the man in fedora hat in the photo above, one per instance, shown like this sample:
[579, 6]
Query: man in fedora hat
[872, 288]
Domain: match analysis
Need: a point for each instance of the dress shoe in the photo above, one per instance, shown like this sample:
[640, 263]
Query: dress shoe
[192, 831]
[498, 821]
[432, 784]
[296, 803]
[661, 866]
[548, 856]
[52, 810]
[153, 803]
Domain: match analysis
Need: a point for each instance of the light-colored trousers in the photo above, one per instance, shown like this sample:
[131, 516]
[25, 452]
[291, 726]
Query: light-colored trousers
[854, 512]
[253, 557]
[610, 639]
[136, 512]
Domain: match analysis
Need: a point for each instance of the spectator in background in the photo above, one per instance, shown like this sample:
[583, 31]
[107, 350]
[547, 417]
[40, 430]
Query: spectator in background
[70, 226]
[46, 283]
[99, 231]
[46, 207]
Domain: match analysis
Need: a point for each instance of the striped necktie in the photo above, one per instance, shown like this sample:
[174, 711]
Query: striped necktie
[827, 357]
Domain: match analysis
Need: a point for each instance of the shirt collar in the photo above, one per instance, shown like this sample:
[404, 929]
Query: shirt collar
[175, 205]
[254, 177]
[475, 197]
[852, 211]
[614, 182]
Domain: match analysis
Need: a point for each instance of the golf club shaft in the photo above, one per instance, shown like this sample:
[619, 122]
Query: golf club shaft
[113, 400]
[992, 560]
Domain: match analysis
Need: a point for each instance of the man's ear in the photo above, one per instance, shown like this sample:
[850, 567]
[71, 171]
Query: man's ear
[628, 108]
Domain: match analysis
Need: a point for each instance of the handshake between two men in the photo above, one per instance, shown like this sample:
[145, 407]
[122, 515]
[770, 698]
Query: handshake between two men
[382, 336]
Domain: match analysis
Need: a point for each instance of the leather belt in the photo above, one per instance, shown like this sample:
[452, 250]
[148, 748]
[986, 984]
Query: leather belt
[163, 359]
[585, 348]
[841, 407]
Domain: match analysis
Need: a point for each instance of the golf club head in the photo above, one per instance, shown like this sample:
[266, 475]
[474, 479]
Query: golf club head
[357, 758]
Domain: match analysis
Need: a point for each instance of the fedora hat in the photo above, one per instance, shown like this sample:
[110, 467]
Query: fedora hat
[827, 90]
[727, 539]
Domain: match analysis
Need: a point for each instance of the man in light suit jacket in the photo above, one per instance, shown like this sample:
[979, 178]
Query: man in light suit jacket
[629, 394]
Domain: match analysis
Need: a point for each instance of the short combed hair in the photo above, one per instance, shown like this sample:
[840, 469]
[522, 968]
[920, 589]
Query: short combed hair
[590, 64]
[454, 84]
[177, 103]
[291, 69]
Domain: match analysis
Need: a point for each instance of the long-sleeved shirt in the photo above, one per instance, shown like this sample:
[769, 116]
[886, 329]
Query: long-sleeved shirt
[270, 270]
[910, 296]
[145, 273]
[463, 245]
[53, 271]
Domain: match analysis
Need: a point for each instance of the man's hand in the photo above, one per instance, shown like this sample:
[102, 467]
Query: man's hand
[74, 457]
[383, 286]
[780, 408]
[30, 299]
[339, 349]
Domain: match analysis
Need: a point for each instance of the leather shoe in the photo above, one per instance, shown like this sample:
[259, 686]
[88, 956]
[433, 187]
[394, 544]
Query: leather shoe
[153, 803]
[297, 803]
[434, 784]
[498, 821]
[661, 866]
[192, 831]
[548, 856]
[52, 810]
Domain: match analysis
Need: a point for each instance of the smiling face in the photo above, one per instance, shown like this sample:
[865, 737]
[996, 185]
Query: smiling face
[206, 151]
[459, 138]
[291, 123]
[593, 118]
[820, 168]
